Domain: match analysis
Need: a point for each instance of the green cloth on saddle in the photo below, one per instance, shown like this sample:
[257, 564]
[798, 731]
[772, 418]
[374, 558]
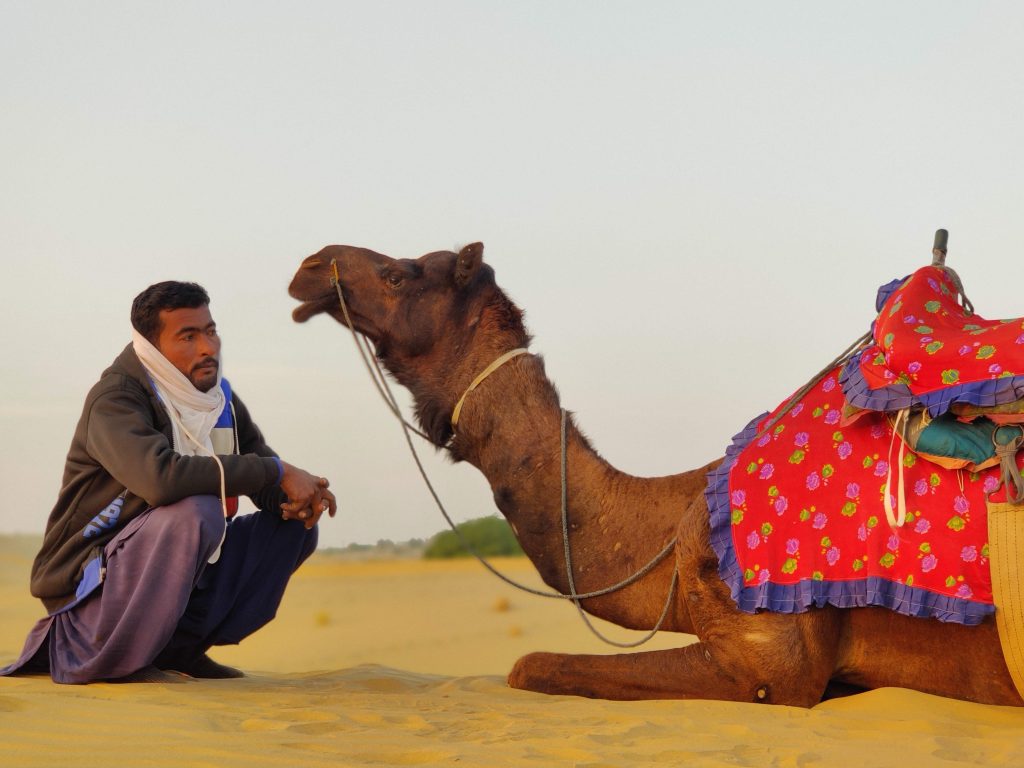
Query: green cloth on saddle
[950, 437]
[975, 445]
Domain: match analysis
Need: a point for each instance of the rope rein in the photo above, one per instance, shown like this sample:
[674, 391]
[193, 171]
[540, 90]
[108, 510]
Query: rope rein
[367, 354]
[370, 361]
[938, 260]
[384, 390]
[797, 396]
[572, 581]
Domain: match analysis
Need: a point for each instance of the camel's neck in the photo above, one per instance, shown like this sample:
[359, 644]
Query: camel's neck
[510, 429]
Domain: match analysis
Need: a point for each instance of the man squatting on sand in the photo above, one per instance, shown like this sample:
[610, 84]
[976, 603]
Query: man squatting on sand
[143, 567]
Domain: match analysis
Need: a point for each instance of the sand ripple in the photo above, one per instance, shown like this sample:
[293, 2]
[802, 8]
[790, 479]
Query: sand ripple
[375, 715]
[429, 629]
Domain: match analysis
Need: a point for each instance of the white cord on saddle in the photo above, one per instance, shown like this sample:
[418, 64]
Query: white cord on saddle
[898, 518]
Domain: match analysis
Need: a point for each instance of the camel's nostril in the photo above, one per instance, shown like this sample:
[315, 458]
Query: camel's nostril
[311, 264]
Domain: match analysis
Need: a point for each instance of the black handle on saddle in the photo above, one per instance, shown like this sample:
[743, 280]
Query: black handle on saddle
[939, 249]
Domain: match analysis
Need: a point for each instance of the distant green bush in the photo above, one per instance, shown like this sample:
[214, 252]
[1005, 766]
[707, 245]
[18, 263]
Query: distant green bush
[490, 536]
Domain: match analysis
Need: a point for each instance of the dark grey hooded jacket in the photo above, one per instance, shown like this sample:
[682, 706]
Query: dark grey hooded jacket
[122, 446]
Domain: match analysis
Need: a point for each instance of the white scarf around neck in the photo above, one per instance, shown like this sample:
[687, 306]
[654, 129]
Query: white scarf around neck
[193, 413]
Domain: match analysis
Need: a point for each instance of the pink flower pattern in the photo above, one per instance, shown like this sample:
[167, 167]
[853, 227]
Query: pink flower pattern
[823, 507]
[924, 340]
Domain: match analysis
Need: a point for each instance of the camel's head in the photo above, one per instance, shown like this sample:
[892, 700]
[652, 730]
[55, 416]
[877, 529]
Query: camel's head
[400, 304]
[359, 271]
[432, 319]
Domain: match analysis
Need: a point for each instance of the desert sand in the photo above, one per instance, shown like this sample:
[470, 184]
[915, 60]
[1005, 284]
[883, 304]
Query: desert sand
[402, 662]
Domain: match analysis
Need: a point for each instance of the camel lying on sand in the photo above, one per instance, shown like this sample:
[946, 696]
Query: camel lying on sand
[436, 323]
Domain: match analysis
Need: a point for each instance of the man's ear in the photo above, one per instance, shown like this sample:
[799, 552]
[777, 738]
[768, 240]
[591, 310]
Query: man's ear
[468, 263]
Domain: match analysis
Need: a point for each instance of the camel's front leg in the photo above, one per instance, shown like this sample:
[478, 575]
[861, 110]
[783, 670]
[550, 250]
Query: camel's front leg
[770, 659]
[677, 673]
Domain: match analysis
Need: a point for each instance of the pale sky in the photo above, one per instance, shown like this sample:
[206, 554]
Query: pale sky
[694, 203]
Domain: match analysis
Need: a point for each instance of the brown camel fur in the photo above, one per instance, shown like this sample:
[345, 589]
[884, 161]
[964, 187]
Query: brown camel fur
[437, 322]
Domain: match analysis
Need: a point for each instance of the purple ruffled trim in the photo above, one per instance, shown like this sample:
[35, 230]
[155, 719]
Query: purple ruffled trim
[860, 395]
[985, 393]
[798, 598]
[888, 290]
[720, 507]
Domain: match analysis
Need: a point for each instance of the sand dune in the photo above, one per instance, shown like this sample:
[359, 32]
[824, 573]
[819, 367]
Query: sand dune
[403, 663]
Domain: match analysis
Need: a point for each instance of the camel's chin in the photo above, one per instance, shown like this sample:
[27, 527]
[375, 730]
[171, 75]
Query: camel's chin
[306, 310]
[313, 307]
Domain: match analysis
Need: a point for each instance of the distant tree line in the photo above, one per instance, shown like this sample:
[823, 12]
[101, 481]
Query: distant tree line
[490, 536]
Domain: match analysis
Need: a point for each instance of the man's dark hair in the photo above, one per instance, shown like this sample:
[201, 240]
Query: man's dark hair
[169, 294]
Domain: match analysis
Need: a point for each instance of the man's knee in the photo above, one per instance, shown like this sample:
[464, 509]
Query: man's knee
[309, 543]
[296, 540]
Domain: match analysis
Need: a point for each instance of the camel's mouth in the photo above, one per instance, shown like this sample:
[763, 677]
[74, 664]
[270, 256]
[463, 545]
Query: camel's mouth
[328, 304]
[308, 309]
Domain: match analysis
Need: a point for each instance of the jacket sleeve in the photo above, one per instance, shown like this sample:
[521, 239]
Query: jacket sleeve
[124, 439]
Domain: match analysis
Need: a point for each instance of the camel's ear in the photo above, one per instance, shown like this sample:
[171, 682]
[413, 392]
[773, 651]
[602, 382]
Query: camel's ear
[468, 263]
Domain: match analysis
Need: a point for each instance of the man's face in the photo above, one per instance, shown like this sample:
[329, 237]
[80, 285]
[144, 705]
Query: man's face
[188, 338]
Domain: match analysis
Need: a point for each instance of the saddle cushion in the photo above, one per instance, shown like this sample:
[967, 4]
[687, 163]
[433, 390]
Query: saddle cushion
[950, 442]
[927, 351]
[797, 519]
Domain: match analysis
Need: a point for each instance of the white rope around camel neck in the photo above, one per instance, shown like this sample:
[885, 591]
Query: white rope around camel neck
[483, 375]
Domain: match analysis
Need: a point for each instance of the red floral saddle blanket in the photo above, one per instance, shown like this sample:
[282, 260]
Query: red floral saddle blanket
[798, 516]
[928, 350]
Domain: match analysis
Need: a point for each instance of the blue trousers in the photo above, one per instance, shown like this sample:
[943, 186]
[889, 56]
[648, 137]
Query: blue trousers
[162, 600]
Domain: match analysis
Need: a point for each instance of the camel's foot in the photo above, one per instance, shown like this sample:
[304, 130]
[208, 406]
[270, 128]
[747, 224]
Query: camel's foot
[691, 672]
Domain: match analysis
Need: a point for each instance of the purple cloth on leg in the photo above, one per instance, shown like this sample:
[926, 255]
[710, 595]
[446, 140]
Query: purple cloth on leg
[241, 591]
[152, 566]
[160, 597]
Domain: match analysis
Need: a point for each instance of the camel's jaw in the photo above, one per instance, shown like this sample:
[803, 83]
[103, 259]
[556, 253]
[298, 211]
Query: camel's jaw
[312, 307]
[330, 305]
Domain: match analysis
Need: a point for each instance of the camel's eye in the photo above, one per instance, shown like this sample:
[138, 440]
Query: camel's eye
[393, 279]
